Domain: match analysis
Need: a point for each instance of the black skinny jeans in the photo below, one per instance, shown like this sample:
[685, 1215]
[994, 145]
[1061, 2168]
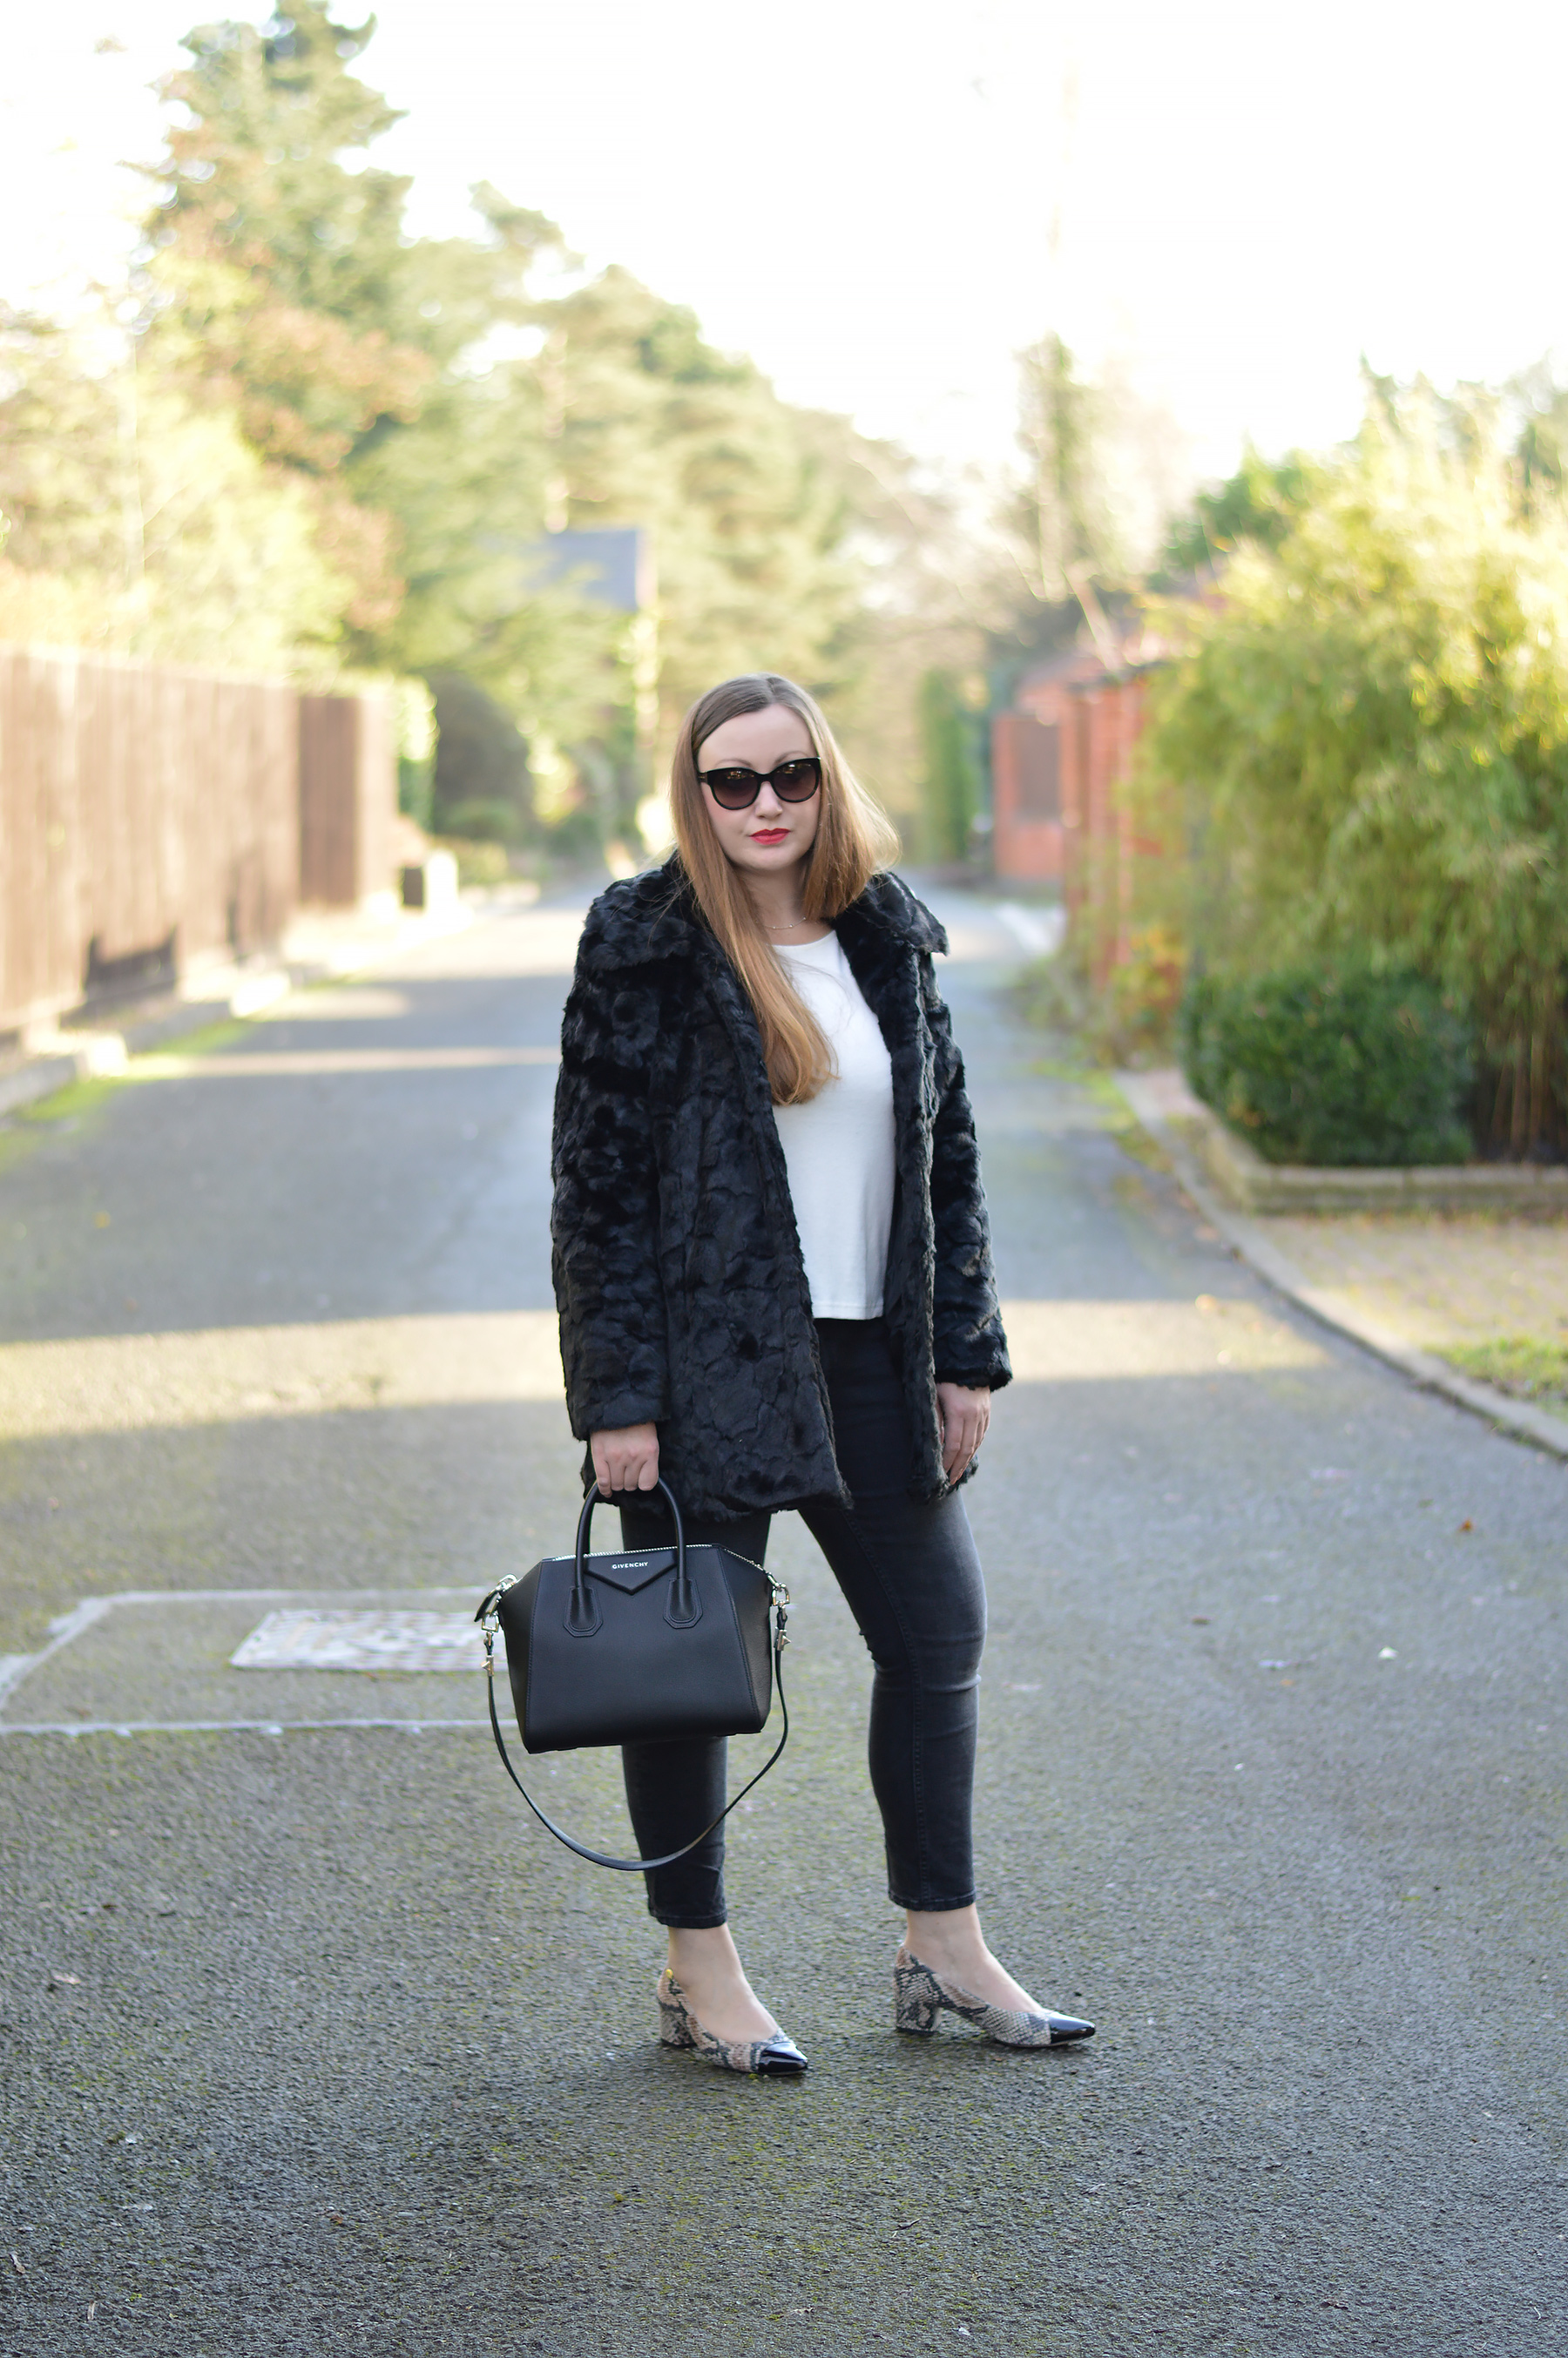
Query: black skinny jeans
[911, 1576]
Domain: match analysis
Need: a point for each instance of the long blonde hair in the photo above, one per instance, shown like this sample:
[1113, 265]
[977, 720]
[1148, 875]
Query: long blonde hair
[853, 840]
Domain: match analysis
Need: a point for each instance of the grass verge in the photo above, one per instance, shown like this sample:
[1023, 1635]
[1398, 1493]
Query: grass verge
[1529, 1366]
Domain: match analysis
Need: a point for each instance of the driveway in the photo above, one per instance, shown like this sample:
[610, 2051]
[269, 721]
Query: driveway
[312, 2040]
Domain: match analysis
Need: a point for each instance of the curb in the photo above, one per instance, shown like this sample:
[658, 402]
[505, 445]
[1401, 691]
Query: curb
[106, 1055]
[1517, 1418]
[1254, 1185]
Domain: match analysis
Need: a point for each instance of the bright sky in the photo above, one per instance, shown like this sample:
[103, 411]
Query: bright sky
[882, 200]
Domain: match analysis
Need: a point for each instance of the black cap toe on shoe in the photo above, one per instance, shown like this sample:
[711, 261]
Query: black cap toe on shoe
[779, 2058]
[1064, 2028]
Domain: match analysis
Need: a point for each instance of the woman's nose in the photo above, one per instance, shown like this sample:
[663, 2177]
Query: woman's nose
[767, 805]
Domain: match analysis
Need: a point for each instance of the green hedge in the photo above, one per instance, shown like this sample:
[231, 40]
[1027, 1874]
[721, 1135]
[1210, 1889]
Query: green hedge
[1332, 1065]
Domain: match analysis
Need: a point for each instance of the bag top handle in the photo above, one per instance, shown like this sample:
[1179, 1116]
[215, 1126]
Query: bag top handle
[582, 1612]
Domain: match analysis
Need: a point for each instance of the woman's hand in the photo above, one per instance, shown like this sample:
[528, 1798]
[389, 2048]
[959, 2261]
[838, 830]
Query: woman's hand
[965, 1414]
[628, 1457]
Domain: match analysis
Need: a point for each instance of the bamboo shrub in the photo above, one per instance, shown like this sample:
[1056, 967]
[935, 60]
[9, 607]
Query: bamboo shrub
[1370, 722]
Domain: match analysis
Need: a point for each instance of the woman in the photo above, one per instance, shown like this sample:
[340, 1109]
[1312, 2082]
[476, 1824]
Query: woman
[773, 1273]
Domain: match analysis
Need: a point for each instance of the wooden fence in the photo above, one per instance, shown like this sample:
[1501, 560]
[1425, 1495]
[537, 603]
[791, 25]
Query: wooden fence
[151, 820]
[347, 798]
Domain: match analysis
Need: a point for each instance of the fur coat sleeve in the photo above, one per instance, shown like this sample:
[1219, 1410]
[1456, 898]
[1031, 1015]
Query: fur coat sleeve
[968, 1346]
[604, 1224]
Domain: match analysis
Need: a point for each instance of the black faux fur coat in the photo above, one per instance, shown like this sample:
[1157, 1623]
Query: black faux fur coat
[678, 1275]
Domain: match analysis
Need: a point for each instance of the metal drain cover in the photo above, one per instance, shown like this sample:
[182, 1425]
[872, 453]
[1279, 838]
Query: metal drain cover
[314, 1640]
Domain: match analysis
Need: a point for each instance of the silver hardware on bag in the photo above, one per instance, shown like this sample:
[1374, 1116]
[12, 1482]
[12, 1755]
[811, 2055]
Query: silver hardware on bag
[489, 1620]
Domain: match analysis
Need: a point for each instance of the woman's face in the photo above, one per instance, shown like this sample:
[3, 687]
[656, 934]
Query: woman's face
[771, 836]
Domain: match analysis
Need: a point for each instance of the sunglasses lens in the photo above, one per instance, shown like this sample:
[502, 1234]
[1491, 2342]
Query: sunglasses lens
[734, 789]
[796, 781]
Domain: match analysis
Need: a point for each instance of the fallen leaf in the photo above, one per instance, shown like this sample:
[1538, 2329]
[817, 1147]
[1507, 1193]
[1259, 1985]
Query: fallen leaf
[93, 2308]
[100, 1220]
[18, 2264]
[1466, 1525]
[1200, 1620]
[66, 1981]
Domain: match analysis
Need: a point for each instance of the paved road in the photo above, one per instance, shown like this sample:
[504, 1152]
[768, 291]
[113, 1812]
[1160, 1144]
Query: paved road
[311, 2044]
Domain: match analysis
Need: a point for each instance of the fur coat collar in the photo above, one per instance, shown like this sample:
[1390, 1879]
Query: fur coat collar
[656, 915]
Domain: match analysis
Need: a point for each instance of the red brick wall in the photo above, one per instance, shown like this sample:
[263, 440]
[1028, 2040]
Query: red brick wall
[1092, 845]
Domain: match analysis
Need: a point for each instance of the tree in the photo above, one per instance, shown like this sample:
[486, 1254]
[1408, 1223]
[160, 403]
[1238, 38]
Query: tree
[1372, 718]
[950, 729]
[1103, 467]
[1055, 526]
[280, 281]
[1259, 503]
[750, 501]
[1062, 520]
[446, 413]
[135, 518]
[1542, 443]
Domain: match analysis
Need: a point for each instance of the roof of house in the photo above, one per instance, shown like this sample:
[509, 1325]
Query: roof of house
[1065, 669]
[1083, 666]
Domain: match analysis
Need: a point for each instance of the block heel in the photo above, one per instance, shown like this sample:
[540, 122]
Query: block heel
[673, 2030]
[915, 2010]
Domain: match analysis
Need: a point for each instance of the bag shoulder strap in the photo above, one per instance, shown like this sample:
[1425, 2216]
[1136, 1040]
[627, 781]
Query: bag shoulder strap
[599, 1857]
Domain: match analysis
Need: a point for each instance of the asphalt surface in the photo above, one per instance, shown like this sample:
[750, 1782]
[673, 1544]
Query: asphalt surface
[310, 2041]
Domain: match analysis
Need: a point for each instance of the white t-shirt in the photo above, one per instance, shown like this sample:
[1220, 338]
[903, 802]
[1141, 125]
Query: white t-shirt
[839, 1149]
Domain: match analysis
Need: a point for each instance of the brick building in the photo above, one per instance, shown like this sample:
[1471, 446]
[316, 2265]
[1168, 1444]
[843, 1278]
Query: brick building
[1058, 757]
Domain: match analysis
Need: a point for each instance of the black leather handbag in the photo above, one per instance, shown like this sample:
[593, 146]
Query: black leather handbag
[646, 1642]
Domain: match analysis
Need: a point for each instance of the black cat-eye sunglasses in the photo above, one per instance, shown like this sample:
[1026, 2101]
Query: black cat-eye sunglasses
[793, 781]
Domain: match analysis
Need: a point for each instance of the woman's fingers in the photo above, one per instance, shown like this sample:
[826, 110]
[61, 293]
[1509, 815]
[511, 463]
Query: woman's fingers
[964, 1415]
[626, 1459]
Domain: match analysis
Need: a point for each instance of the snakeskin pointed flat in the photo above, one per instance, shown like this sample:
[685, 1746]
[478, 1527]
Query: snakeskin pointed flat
[920, 1996]
[777, 2058]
